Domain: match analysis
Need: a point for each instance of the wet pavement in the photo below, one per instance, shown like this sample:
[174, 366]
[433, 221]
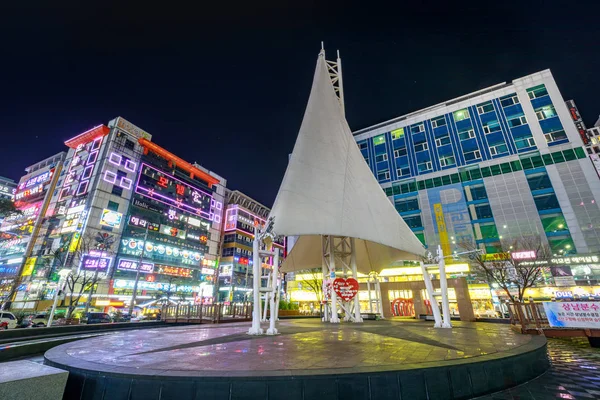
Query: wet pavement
[575, 374]
[303, 346]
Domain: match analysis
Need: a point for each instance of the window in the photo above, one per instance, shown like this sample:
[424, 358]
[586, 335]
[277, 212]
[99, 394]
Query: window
[545, 112]
[363, 145]
[470, 134]
[518, 121]
[381, 157]
[129, 144]
[509, 100]
[498, 149]
[442, 141]
[117, 190]
[447, 161]
[483, 211]
[485, 107]
[522, 143]
[555, 136]
[546, 202]
[437, 122]
[397, 133]
[473, 155]
[414, 221]
[112, 206]
[403, 171]
[417, 128]
[400, 152]
[492, 126]
[379, 140]
[121, 174]
[366, 159]
[383, 175]
[405, 205]
[461, 115]
[424, 166]
[539, 181]
[537, 91]
[477, 192]
[421, 147]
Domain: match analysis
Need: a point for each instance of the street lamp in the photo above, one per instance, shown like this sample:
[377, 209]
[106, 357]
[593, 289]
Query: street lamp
[64, 274]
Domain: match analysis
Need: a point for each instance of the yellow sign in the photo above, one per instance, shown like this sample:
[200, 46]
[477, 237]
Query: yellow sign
[74, 242]
[441, 225]
[29, 266]
[496, 257]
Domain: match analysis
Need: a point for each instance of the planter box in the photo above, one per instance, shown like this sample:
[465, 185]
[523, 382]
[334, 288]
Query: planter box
[286, 313]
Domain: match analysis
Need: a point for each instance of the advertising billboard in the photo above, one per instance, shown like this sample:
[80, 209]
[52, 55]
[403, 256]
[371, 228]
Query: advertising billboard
[573, 314]
[450, 215]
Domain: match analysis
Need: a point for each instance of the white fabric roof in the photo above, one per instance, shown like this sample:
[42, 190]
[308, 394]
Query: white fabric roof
[328, 189]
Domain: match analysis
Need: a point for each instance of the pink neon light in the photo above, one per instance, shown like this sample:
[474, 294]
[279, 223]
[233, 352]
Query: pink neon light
[64, 192]
[92, 157]
[217, 218]
[97, 142]
[82, 189]
[151, 194]
[125, 183]
[87, 172]
[130, 165]
[115, 158]
[109, 177]
[171, 202]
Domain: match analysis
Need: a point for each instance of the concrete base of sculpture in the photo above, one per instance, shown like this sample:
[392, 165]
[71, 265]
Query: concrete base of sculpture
[32, 381]
[309, 359]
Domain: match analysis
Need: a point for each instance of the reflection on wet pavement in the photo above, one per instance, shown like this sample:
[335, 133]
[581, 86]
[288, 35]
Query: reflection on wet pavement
[575, 374]
[302, 345]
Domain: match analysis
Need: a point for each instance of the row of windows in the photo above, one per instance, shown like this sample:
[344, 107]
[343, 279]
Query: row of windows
[478, 173]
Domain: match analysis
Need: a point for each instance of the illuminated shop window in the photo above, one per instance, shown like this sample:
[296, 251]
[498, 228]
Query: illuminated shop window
[398, 133]
[377, 140]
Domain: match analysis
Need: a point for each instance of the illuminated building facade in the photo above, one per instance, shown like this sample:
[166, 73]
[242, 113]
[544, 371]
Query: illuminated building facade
[235, 272]
[178, 207]
[8, 188]
[31, 197]
[115, 181]
[506, 161]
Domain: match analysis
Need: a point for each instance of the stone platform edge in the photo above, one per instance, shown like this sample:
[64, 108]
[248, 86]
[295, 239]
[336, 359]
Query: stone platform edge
[455, 379]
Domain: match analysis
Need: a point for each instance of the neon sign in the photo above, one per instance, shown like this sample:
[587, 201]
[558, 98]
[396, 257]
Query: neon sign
[95, 262]
[174, 271]
[111, 218]
[523, 255]
[41, 178]
[142, 223]
[29, 192]
[134, 247]
[165, 188]
[77, 165]
[130, 265]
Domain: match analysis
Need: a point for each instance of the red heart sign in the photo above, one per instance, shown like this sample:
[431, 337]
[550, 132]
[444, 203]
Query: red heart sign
[346, 289]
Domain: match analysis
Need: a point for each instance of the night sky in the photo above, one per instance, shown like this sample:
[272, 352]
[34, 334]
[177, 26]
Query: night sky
[221, 86]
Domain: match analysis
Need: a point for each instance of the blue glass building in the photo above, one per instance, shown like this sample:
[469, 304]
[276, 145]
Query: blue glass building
[503, 162]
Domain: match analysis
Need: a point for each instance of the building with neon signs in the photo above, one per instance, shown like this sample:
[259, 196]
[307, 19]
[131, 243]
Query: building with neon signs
[503, 162]
[32, 196]
[235, 272]
[178, 208]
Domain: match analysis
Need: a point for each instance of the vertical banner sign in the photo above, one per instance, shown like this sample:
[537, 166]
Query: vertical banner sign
[449, 209]
[440, 222]
[574, 111]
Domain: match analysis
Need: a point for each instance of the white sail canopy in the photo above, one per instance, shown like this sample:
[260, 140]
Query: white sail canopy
[328, 189]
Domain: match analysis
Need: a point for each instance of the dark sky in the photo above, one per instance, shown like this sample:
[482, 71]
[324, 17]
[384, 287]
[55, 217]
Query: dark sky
[221, 86]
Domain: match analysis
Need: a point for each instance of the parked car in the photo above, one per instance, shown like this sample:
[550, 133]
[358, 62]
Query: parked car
[98, 318]
[39, 320]
[8, 318]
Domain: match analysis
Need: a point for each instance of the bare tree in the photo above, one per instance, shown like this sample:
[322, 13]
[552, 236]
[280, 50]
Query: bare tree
[315, 282]
[80, 280]
[517, 266]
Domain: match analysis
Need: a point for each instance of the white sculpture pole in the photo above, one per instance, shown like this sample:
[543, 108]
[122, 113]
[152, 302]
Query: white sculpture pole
[369, 292]
[267, 300]
[334, 314]
[357, 317]
[444, 288]
[434, 304]
[325, 274]
[379, 298]
[274, 294]
[256, 329]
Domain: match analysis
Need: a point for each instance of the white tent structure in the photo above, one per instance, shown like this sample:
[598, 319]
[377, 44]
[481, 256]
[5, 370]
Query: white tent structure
[332, 203]
[330, 199]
